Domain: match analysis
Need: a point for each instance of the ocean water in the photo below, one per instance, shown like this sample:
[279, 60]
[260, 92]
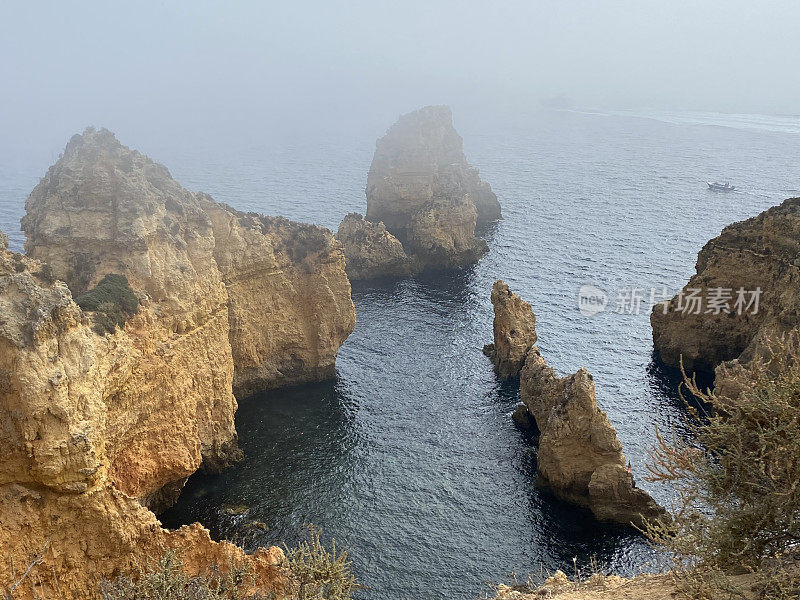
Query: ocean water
[409, 457]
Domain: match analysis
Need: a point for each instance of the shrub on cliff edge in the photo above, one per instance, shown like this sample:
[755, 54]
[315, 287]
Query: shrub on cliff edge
[318, 573]
[739, 479]
[113, 302]
[166, 580]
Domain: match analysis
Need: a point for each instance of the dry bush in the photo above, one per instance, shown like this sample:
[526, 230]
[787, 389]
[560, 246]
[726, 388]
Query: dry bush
[166, 580]
[739, 479]
[319, 574]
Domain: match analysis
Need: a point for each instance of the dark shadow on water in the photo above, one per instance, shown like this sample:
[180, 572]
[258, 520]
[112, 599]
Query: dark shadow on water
[665, 381]
[294, 439]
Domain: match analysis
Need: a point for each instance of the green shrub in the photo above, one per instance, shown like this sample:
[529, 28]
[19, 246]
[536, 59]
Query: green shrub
[739, 479]
[318, 574]
[113, 301]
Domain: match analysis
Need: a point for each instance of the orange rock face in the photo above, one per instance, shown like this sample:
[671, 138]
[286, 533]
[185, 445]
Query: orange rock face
[99, 427]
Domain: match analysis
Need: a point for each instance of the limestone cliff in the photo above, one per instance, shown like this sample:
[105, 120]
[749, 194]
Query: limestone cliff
[103, 208]
[80, 440]
[289, 303]
[421, 188]
[514, 331]
[371, 250]
[580, 457]
[760, 253]
[99, 426]
[275, 290]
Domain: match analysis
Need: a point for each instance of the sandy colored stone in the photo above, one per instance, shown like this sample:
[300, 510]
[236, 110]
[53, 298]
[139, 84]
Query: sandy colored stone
[580, 457]
[441, 234]
[371, 251]
[761, 252]
[276, 291]
[80, 440]
[96, 428]
[422, 189]
[514, 331]
[289, 303]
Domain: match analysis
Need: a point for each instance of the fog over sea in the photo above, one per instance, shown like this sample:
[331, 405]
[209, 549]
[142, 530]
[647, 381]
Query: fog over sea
[410, 456]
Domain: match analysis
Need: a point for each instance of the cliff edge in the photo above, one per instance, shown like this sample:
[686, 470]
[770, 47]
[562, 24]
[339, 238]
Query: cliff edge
[746, 287]
[109, 408]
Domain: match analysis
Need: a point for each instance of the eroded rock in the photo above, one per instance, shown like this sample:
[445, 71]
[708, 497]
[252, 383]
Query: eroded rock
[98, 425]
[371, 251]
[422, 190]
[760, 253]
[514, 331]
[580, 457]
[289, 305]
[81, 439]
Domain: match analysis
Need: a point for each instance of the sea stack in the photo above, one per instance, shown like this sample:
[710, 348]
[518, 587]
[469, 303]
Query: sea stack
[746, 288]
[429, 199]
[580, 457]
[514, 331]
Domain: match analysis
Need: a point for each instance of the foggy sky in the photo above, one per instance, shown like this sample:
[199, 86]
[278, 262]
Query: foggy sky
[132, 65]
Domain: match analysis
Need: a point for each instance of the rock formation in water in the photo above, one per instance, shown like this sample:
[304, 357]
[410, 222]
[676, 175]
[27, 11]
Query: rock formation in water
[371, 251]
[102, 423]
[289, 305]
[761, 253]
[87, 432]
[421, 188]
[580, 457]
[514, 331]
[103, 208]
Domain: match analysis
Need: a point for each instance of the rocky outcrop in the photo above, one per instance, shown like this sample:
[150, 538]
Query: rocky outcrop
[580, 457]
[289, 305]
[762, 253]
[275, 290]
[514, 331]
[102, 423]
[421, 188]
[81, 441]
[103, 208]
[371, 250]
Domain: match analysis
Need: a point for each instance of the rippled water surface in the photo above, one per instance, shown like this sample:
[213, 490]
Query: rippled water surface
[409, 456]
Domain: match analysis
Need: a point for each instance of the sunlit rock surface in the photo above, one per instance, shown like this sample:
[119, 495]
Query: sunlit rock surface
[100, 427]
[580, 457]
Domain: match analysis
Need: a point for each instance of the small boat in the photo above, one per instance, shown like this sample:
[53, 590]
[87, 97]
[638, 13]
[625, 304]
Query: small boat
[720, 187]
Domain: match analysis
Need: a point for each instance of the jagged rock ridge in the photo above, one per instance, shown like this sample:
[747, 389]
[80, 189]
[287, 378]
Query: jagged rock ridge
[580, 457]
[100, 426]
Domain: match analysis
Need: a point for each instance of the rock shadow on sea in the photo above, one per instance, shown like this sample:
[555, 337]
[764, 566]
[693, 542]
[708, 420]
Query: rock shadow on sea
[293, 439]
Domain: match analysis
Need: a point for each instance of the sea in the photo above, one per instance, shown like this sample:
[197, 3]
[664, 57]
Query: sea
[409, 457]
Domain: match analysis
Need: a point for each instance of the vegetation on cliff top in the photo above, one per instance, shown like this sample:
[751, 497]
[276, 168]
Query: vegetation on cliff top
[113, 302]
[738, 479]
[315, 574]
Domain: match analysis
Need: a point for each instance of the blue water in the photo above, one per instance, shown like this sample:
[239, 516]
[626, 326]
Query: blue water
[410, 457]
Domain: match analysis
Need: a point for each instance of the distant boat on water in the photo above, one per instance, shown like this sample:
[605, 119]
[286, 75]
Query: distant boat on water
[720, 187]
